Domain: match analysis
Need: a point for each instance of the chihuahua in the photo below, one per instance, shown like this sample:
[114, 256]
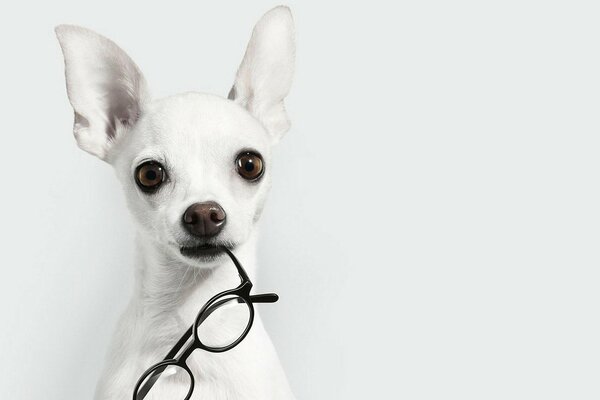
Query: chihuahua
[196, 169]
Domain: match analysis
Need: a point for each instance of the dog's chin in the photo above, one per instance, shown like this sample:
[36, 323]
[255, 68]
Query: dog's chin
[204, 253]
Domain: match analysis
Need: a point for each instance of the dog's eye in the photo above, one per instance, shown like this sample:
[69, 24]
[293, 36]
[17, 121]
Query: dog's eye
[149, 176]
[250, 165]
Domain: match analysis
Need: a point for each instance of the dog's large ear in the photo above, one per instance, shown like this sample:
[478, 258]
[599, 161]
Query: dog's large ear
[265, 75]
[105, 88]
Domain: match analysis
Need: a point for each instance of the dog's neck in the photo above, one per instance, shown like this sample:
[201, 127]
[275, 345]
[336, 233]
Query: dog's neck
[166, 286]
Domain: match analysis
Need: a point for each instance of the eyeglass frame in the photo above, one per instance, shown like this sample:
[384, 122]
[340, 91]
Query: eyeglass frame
[242, 291]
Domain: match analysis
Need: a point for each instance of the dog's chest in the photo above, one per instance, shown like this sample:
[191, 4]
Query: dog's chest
[226, 376]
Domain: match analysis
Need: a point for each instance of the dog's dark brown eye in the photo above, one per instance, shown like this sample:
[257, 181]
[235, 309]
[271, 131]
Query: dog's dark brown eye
[149, 176]
[250, 165]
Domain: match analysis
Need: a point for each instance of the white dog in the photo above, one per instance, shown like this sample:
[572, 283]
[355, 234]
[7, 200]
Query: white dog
[196, 171]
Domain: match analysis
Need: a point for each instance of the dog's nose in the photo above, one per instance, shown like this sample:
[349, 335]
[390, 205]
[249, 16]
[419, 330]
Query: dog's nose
[204, 219]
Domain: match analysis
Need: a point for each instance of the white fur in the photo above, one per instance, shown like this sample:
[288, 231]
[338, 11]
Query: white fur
[196, 137]
[265, 75]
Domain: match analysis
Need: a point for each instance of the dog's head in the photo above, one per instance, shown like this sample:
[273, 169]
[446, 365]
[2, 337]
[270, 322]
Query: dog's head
[195, 167]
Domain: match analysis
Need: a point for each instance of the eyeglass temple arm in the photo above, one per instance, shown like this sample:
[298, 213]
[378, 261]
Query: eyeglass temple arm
[264, 298]
[238, 265]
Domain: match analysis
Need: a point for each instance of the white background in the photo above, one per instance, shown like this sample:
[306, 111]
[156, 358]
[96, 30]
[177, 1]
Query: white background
[434, 223]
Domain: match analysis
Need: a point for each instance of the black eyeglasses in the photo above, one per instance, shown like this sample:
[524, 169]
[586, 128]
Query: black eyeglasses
[222, 323]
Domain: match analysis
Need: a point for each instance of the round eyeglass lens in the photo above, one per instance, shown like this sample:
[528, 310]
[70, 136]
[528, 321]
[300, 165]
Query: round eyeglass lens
[223, 322]
[165, 382]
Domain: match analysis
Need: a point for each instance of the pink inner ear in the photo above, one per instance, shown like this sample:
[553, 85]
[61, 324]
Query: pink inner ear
[123, 107]
[232, 93]
[104, 86]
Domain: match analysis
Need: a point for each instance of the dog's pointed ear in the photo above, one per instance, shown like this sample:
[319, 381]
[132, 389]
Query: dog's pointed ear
[105, 88]
[265, 74]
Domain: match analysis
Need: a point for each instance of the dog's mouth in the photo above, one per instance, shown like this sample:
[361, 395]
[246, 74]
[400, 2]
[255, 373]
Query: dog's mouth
[204, 252]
